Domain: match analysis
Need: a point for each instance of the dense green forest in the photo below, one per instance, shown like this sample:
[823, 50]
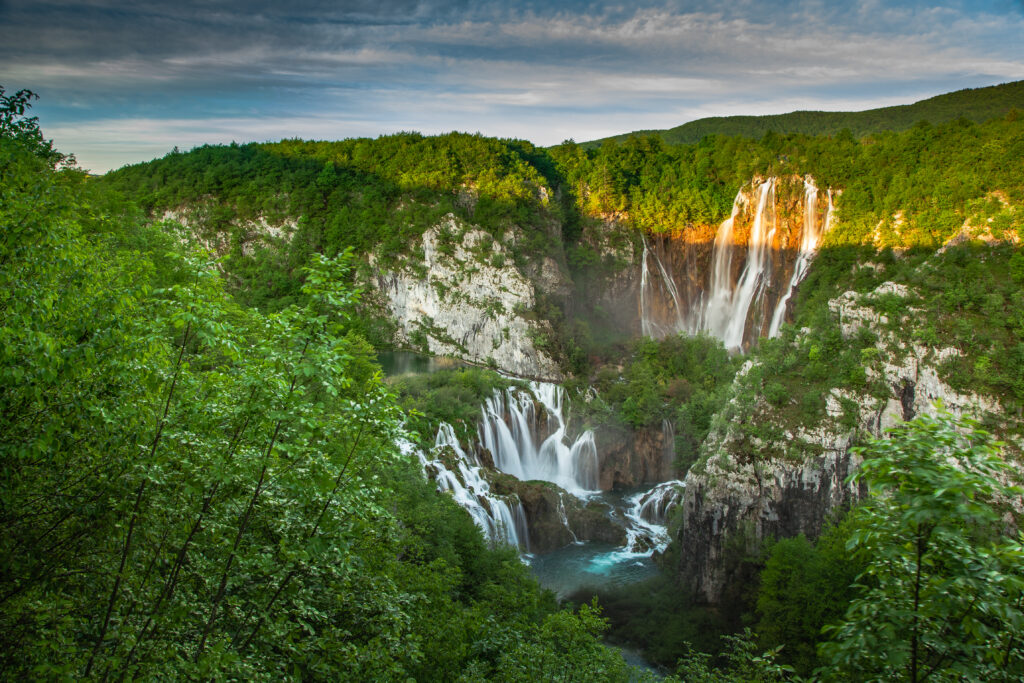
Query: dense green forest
[974, 104]
[194, 489]
[365, 194]
[205, 474]
[913, 189]
[382, 193]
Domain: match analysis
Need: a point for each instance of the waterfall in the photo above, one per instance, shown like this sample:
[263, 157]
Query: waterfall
[757, 270]
[648, 326]
[523, 443]
[653, 506]
[726, 307]
[526, 433]
[712, 315]
[668, 435]
[520, 448]
[648, 516]
[564, 517]
[501, 518]
[808, 246]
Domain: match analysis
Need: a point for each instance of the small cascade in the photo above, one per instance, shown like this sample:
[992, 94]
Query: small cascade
[668, 435]
[511, 430]
[564, 516]
[653, 506]
[648, 516]
[501, 518]
[650, 327]
[808, 246]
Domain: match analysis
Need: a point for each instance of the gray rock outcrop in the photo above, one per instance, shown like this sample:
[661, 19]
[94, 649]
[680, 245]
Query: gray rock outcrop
[747, 489]
[466, 298]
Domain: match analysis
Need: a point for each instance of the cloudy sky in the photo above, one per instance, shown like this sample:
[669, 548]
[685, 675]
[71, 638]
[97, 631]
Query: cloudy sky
[125, 81]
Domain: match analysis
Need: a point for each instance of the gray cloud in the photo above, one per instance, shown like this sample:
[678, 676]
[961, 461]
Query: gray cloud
[545, 71]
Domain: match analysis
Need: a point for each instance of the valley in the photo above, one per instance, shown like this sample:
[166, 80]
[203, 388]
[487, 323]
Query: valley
[417, 407]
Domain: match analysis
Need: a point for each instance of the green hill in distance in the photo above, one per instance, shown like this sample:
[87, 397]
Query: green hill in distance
[976, 104]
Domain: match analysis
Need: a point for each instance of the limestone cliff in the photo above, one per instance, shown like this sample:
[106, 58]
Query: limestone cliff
[749, 488]
[464, 297]
[250, 234]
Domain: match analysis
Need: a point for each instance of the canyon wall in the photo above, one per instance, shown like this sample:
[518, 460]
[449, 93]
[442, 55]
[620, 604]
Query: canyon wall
[464, 297]
[748, 489]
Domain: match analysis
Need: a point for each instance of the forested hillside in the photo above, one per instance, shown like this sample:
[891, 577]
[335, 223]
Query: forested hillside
[903, 195]
[192, 488]
[207, 475]
[973, 104]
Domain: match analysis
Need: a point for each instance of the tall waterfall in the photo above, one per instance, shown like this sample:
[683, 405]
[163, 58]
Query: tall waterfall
[501, 518]
[716, 299]
[810, 237]
[519, 445]
[727, 308]
[735, 307]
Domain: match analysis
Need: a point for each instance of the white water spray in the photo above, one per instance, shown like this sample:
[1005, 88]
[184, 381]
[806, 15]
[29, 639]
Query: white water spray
[501, 518]
[726, 307]
[757, 270]
[648, 516]
[711, 315]
[520, 449]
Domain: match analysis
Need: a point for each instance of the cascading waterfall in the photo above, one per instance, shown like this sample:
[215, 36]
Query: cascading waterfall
[729, 309]
[648, 516]
[725, 310]
[653, 506]
[647, 326]
[710, 314]
[526, 435]
[519, 449]
[668, 436]
[564, 517]
[808, 246]
[501, 518]
[756, 271]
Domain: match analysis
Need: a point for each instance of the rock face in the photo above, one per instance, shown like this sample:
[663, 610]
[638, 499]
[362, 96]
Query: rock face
[466, 298]
[591, 521]
[251, 234]
[630, 458]
[557, 518]
[746, 490]
[730, 509]
[910, 370]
